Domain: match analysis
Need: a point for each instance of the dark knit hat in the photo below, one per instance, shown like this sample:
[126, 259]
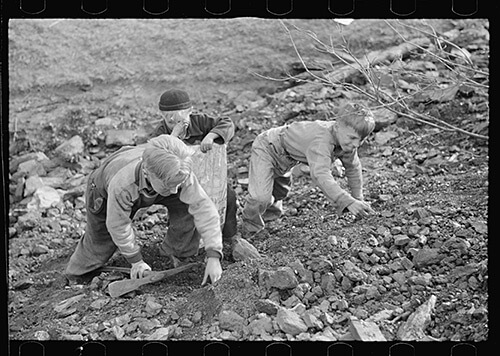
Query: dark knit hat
[174, 99]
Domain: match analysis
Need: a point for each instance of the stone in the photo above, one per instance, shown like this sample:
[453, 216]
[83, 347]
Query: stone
[29, 168]
[120, 138]
[152, 307]
[381, 315]
[107, 121]
[413, 328]
[283, 278]
[481, 227]
[319, 264]
[32, 184]
[365, 330]
[66, 307]
[426, 257]
[342, 305]
[39, 249]
[32, 156]
[312, 321]
[380, 251]
[310, 297]
[401, 240]
[301, 290]
[186, 323]
[382, 137]
[413, 230]
[291, 302]
[99, 303]
[260, 326]
[71, 149]
[406, 263]
[244, 250]
[327, 318]
[299, 308]
[290, 322]
[346, 284]
[422, 280]
[395, 265]
[372, 293]
[456, 244]
[148, 324]
[421, 213]
[318, 291]
[328, 284]
[383, 118]
[298, 268]
[399, 277]
[42, 335]
[230, 320]
[374, 259]
[364, 257]
[23, 284]
[353, 272]
[28, 220]
[44, 198]
[163, 333]
[197, 316]
[396, 230]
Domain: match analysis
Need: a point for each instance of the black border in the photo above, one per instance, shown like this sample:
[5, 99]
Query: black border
[243, 8]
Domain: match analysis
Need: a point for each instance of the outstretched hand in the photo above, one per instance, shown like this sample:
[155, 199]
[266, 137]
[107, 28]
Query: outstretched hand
[207, 143]
[361, 209]
[213, 270]
[139, 270]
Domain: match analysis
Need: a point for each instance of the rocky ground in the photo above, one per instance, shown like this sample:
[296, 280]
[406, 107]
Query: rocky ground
[415, 270]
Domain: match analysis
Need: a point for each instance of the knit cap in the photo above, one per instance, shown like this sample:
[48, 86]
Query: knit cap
[174, 99]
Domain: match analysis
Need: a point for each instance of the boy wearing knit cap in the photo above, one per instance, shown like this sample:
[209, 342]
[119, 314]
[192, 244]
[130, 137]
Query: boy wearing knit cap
[135, 177]
[316, 143]
[180, 121]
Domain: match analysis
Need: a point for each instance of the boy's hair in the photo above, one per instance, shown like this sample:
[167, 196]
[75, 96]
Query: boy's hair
[358, 117]
[168, 158]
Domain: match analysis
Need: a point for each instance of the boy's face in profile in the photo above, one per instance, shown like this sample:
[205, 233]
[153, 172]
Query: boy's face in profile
[348, 138]
[177, 121]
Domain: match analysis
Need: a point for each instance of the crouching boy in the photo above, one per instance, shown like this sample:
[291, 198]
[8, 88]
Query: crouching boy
[180, 121]
[316, 143]
[134, 177]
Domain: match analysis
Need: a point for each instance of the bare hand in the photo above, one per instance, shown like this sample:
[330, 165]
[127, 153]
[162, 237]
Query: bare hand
[139, 270]
[360, 209]
[213, 270]
[206, 144]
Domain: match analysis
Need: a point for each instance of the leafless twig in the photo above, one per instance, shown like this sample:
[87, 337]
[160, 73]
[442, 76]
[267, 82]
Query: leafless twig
[374, 91]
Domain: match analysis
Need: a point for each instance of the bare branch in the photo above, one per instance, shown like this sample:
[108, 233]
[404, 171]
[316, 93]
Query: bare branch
[396, 102]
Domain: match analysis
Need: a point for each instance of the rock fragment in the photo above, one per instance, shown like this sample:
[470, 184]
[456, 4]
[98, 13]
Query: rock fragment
[426, 257]
[413, 328]
[244, 250]
[365, 330]
[290, 322]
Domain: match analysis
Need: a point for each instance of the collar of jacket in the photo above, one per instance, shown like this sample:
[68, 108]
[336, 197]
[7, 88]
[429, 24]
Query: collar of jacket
[337, 149]
[141, 182]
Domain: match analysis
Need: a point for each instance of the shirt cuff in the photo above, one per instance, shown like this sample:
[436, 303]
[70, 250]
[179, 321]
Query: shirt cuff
[134, 258]
[214, 253]
[341, 208]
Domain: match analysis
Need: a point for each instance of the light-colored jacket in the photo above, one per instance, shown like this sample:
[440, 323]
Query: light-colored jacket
[315, 144]
[125, 185]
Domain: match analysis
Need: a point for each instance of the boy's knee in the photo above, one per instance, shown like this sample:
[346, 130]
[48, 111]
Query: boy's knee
[262, 199]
